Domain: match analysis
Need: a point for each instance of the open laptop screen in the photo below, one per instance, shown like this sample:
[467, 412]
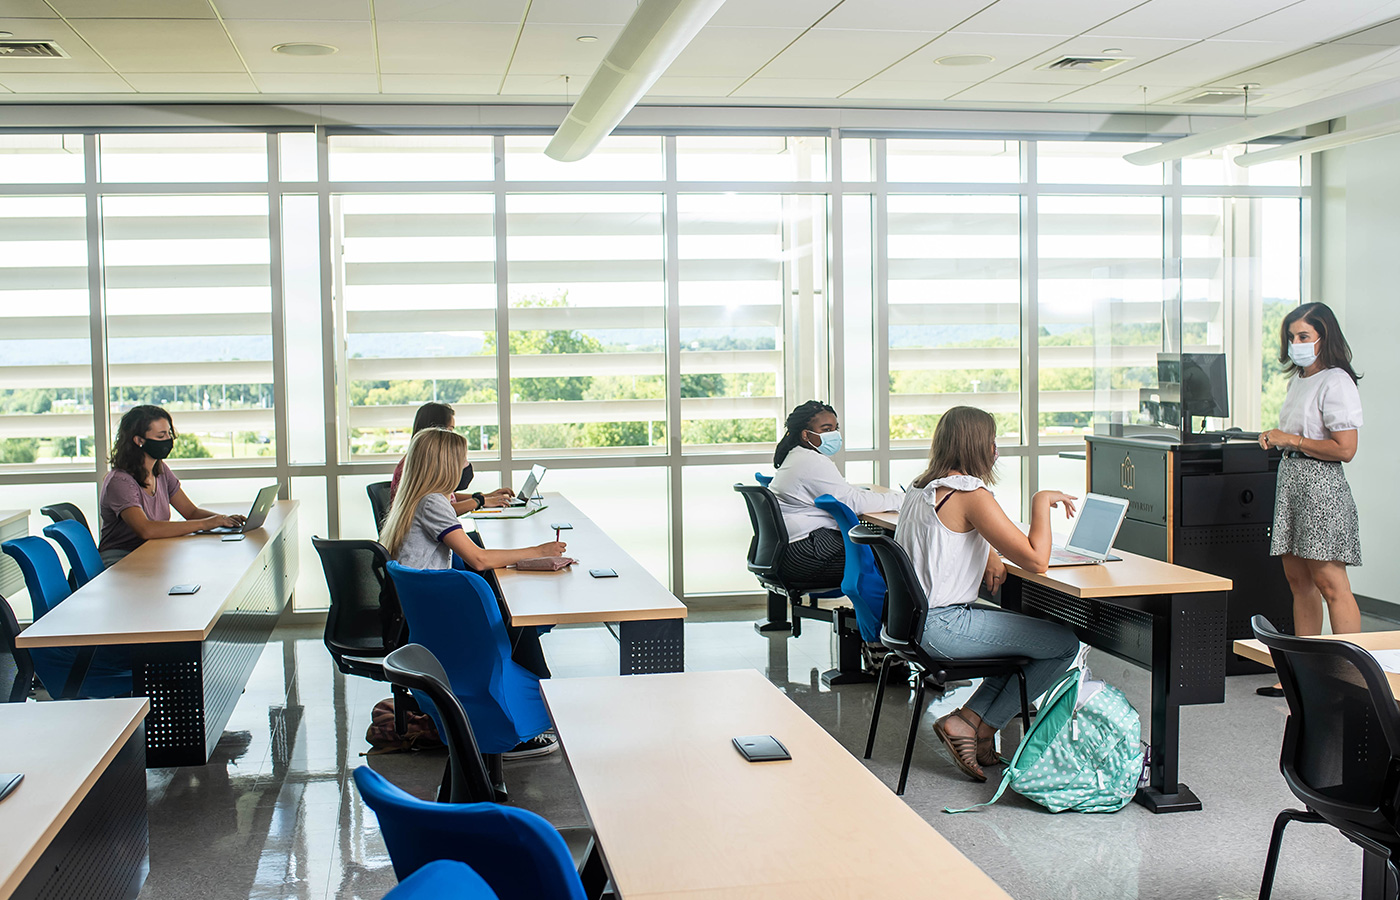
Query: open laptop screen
[532, 483]
[1097, 525]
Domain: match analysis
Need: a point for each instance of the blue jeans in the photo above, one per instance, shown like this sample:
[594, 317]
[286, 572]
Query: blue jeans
[962, 631]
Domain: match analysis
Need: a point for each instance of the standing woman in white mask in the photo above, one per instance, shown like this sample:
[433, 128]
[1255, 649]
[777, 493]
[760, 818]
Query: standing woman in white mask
[816, 554]
[1315, 522]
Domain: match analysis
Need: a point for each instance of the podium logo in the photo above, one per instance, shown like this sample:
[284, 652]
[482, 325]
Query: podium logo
[1126, 473]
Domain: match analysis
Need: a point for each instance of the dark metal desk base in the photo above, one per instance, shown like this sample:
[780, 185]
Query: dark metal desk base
[1156, 801]
[103, 851]
[652, 645]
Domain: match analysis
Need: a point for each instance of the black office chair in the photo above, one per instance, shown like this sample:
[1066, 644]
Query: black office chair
[16, 668]
[365, 621]
[379, 501]
[470, 777]
[61, 511]
[767, 550]
[1341, 744]
[906, 607]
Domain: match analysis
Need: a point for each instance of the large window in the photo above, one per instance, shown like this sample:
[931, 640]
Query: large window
[641, 321]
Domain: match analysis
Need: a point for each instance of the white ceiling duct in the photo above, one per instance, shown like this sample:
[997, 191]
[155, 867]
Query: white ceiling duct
[1303, 114]
[655, 35]
[1322, 142]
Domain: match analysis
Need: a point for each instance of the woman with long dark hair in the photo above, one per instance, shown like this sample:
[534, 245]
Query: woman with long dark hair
[816, 555]
[440, 415]
[137, 494]
[1316, 532]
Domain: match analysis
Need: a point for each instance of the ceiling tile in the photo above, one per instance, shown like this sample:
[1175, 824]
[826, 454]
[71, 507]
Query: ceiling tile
[64, 83]
[80, 55]
[1193, 19]
[354, 43]
[1039, 17]
[1386, 35]
[887, 88]
[903, 15]
[804, 88]
[573, 12]
[773, 13]
[996, 92]
[1203, 62]
[1128, 97]
[1137, 50]
[1312, 21]
[468, 11]
[1007, 51]
[161, 45]
[555, 50]
[133, 9]
[328, 10]
[689, 86]
[462, 49]
[836, 53]
[551, 87]
[315, 83]
[721, 51]
[192, 82]
[1316, 65]
[441, 84]
[29, 9]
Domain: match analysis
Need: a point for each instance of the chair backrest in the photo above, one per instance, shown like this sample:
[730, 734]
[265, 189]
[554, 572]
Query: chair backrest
[454, 614]
[81, 550]
[516, 851]
[380, 502]
[762, 479]
[770, 537]
[364, 618]
[443, 879]
[61, 512]
[43, 574]
[1341, 743]
[413, 666]
[860, 580]
[906, 605]
[16, 667]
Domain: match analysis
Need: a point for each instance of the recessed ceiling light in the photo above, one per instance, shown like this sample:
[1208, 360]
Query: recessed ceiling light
[970, 59]
[5, 34]
[1112, 50]
[586, 38]
[301, 48]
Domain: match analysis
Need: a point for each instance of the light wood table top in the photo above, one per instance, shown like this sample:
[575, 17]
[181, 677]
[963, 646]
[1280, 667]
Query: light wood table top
[128, 603]
[8, 516]
[1366, 640]
[572, 595]
[680, 815]
[1129, 576]
[62, 749]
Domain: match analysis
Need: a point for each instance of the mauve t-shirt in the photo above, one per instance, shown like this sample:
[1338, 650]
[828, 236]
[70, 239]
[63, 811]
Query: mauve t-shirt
[120, 491]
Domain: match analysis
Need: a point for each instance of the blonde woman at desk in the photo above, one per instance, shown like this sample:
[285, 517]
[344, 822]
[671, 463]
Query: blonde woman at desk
[1316, 532]
[952, 528]
[440, 415]
[136, 497]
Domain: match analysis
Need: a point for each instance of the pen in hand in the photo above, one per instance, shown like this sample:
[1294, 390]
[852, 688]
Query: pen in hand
[556, 535]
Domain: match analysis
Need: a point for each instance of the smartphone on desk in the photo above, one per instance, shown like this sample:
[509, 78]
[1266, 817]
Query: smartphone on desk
[184, 589]
[603, 573]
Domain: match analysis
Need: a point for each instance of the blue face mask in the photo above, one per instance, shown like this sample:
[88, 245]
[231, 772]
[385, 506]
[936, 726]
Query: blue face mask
[831, 443]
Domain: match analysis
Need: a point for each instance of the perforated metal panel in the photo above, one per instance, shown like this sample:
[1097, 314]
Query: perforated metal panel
[102, 850]
[1112, 627]
[657, 645]
[1198, 636]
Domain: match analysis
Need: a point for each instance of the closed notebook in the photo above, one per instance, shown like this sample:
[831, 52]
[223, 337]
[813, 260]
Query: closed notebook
[545, 563]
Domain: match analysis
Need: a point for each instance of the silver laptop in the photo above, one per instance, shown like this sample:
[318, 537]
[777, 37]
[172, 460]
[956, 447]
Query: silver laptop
[531, 485]
[256, 516]
[1095, 529]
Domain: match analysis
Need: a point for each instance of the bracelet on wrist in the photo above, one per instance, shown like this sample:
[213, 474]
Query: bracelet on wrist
[480, 499]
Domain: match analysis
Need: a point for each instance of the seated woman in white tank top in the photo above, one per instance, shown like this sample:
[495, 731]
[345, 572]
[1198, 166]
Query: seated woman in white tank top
[952, 527]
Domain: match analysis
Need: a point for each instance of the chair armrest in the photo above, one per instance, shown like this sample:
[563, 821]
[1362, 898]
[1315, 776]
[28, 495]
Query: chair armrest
[369, 662]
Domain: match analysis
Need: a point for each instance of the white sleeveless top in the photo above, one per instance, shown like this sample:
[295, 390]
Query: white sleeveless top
[950, 565]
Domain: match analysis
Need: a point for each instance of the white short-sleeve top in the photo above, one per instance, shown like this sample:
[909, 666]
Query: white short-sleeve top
[1320, 404]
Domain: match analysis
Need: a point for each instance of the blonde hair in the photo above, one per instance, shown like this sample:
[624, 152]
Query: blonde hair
[962, 442]
[433, 465]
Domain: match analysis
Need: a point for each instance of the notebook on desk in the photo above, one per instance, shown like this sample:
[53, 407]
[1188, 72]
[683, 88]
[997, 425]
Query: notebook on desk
[1095, 528]
[509, 512]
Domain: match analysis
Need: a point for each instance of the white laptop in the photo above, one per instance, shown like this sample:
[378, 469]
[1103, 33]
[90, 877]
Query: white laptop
[522, 504]
[531, 485]
[1095, 529]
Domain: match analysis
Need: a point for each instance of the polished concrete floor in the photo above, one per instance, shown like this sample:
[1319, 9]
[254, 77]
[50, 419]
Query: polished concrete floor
[275, 815]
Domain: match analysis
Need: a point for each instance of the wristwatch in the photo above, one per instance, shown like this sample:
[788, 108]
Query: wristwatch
[480, 499]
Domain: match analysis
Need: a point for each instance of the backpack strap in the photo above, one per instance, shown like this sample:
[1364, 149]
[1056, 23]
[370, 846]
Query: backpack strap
[1001, 789]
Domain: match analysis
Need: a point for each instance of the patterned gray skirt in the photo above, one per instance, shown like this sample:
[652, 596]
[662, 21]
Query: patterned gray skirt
[1314, 513]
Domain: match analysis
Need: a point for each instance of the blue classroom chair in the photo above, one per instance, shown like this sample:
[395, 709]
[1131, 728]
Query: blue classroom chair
[443, 879]
[516, 852]
[762, 479]
[84, 561]
[861, 580]
[455, 615]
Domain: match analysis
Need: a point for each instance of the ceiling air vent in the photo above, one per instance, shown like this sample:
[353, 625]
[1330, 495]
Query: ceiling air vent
[1222, 97]
[12, 49]
[1085, 63]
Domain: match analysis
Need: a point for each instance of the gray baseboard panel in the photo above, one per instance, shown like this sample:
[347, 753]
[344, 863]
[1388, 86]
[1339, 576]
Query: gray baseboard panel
[1381, 609]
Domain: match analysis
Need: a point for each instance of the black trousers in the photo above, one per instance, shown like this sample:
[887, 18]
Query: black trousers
[818, 560]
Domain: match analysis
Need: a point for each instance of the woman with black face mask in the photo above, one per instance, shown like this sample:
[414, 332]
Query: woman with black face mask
[139, 491]
[440, 415]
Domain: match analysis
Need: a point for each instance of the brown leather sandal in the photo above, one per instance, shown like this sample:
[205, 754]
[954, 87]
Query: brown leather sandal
[987, 752]
[962, 747]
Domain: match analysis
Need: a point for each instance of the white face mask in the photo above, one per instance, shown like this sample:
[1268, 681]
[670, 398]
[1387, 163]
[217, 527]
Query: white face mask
[1303, 354]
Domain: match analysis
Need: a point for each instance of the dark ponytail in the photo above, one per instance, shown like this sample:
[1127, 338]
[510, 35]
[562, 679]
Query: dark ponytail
[797, 422]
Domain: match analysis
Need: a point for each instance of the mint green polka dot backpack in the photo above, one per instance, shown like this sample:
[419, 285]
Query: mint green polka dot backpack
[1084, 750]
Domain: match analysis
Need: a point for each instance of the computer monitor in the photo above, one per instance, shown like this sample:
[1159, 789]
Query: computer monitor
[1205, 390]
